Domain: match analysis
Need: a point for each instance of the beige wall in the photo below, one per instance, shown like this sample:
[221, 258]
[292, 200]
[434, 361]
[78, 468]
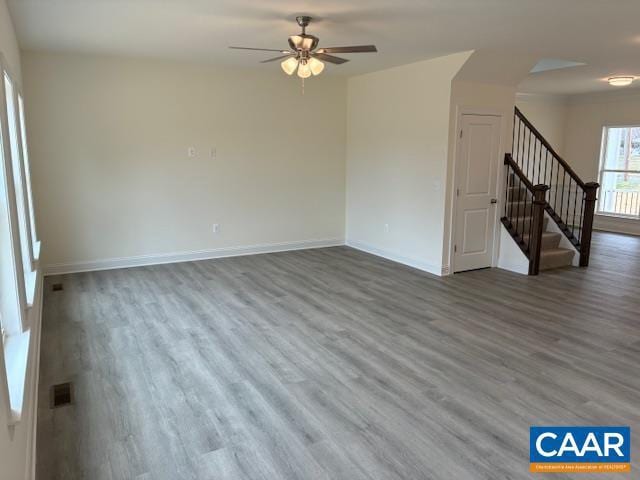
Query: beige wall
[112, 178]
[398, 133]
[587, 115]
[549, 115]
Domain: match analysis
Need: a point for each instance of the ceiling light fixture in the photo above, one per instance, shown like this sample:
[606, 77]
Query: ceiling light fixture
[289, 65]
[621, 81]
[316, 66]
[304, 56]
[304, 71]
[305, 67]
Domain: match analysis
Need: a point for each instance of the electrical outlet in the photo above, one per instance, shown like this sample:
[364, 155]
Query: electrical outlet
[216, 228]
[213, 153]
[386, 228]
[191, 152]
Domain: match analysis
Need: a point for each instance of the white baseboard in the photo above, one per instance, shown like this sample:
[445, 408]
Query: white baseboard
[395, 257]
[142, 260]
[607, 223]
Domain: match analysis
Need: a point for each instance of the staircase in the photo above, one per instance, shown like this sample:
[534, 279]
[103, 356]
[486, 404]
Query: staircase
[548, 209]
[552, 255]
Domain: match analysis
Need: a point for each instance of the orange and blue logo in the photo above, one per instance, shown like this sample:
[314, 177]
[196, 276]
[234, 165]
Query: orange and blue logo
[580, 449]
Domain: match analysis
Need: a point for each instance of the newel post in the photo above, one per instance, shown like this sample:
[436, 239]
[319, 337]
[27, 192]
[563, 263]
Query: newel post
[590, 192]
[535, 243]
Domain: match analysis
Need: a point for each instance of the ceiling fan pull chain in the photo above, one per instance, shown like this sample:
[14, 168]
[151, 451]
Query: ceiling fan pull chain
[303, 86]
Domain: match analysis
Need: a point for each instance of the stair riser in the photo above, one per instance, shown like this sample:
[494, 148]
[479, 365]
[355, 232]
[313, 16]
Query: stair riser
[549, 240]
[559, 260]
[514, 194]
[528, 224]
[518, 207]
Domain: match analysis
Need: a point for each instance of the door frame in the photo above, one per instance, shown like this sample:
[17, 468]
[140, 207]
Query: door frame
[483, 112]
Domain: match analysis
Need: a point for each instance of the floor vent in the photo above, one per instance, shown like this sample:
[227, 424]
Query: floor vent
[61, 395]
[57, 287]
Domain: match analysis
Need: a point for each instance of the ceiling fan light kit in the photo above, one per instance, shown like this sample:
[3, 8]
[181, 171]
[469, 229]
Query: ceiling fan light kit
[304, 56]
[303, 70]
[316, 66]
[289, 65]
[621, 81]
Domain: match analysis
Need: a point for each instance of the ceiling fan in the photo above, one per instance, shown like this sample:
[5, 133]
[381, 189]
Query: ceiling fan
[304, 56]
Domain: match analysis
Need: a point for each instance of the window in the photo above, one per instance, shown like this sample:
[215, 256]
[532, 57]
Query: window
[27, 177]
[620, 172]
[21, 188]
[17, 266]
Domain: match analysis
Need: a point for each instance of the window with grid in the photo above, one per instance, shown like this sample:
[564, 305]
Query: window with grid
[620, 172]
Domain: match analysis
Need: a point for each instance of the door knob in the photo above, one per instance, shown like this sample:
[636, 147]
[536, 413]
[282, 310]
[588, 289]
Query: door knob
[494, 200]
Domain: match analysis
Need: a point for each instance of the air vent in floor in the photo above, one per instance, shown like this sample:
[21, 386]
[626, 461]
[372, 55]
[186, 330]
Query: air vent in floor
[57, 287]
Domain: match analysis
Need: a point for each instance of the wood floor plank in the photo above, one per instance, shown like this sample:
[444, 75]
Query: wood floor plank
[333, 364]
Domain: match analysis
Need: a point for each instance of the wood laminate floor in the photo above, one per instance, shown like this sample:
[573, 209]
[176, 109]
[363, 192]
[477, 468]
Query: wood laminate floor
[333, 364]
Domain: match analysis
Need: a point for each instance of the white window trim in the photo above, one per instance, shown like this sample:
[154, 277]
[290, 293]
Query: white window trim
[602, 171]
[15, 361]
[12, 203]
[34, 249]
[21, 174]
[16, 346]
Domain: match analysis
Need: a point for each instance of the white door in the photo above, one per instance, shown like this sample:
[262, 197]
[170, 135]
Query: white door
[476, 181]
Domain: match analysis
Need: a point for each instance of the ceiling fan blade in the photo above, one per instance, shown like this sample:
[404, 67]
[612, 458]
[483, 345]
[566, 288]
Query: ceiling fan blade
[278, 58]
[353, 49]
[260, 49]
[329, 58]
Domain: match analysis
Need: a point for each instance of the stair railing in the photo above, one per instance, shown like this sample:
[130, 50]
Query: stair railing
[570, 202]
[524, 212]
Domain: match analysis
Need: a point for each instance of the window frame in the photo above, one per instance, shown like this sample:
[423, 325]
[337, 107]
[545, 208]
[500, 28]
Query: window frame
[602, 171]
[26, 179]
[12, 326]
[16, 344]
[21, 188]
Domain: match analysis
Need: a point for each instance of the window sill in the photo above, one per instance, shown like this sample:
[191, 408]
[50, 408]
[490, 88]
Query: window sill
[30, 287]
[16, 353]
[36, 251]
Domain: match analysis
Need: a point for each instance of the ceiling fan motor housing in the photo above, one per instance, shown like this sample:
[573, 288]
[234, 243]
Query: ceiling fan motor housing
[303, 42]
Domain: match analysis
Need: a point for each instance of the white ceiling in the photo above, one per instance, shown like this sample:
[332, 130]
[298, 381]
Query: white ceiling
[605, 35]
